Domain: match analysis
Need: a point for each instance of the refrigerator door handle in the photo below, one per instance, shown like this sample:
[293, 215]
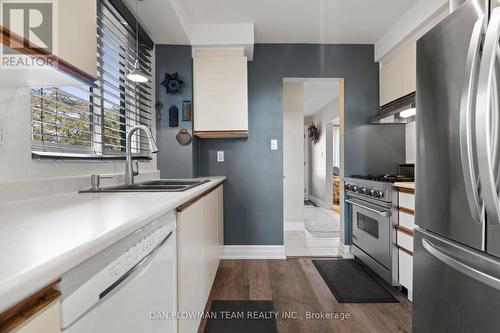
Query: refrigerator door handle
[466, 112]
[448, 259]
[486, 131]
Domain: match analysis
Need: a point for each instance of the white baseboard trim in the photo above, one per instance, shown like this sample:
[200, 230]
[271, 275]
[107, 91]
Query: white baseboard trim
[345, 251]
[294, 226]
[253, 252]
[320, 203]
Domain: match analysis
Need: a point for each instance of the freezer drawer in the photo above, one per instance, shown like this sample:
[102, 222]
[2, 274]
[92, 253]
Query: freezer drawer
[456, 288]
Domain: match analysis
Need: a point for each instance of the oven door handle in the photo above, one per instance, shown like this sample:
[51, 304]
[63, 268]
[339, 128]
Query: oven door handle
[384, 213]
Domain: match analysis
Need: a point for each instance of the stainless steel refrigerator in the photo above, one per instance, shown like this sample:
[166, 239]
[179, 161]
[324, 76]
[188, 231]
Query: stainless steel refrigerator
[457, 243]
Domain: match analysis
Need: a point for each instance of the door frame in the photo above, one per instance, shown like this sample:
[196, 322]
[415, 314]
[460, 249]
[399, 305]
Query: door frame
[344, 250]
[306, 164]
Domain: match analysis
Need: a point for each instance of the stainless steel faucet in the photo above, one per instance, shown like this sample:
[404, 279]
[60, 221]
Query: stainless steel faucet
[129, 170]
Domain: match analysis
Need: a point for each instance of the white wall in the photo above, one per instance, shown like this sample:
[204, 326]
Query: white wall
[293, 151]
[411, 142]
[321, 158]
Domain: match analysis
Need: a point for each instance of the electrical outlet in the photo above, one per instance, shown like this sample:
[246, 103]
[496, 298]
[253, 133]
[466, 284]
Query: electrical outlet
[274, 144]
[220, 156]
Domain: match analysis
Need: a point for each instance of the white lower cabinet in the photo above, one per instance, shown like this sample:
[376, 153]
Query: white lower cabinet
[406, 205]
[200, 237]
[47, 320]
[405, 241]
[406, 272]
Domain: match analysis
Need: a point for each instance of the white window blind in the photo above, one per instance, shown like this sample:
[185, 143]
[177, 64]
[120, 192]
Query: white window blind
[92, 121]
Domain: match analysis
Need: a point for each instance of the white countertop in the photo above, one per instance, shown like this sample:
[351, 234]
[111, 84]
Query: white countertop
[43, 238]
[410, 185]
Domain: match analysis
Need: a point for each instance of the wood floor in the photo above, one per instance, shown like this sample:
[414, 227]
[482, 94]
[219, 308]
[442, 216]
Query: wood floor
[295, 285]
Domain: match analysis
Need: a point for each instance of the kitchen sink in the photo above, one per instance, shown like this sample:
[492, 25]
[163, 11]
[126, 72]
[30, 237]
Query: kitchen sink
[173, 182]
[160, 185]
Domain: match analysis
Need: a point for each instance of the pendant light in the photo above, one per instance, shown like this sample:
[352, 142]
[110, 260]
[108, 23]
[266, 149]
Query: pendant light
[137, 75]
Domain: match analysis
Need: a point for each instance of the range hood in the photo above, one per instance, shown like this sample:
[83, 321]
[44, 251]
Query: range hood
[401, 111]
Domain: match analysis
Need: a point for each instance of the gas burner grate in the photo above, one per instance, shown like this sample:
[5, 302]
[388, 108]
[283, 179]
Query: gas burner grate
[385, 178]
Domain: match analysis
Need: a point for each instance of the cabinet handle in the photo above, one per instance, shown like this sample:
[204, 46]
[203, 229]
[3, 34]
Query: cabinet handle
[191, 202]
[449, 259]
[466, 131]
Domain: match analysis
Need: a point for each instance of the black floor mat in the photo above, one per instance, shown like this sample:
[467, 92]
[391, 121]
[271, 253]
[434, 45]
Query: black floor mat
[350, 282]
[241, 317]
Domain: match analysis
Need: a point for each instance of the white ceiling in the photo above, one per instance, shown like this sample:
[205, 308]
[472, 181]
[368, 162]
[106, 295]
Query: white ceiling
[276, 21]
[160, 20]
[318, 94]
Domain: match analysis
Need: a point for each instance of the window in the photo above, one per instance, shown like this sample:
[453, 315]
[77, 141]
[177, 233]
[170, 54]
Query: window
[92, 121]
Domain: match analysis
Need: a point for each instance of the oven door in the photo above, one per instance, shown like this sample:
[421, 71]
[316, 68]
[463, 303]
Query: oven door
[371, 227]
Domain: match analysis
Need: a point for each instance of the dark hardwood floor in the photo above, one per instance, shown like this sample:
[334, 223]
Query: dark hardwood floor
[295, 285]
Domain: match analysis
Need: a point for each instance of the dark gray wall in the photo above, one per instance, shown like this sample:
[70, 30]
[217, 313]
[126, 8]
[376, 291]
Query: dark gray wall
[174, 160]
[254, 188]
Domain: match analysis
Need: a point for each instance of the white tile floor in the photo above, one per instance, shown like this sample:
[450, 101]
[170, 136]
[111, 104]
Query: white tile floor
[303, 244]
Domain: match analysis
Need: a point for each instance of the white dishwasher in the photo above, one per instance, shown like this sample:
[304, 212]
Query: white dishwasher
[130, 287]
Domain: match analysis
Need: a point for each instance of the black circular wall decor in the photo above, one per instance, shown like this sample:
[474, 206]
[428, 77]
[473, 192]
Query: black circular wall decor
[172, 83]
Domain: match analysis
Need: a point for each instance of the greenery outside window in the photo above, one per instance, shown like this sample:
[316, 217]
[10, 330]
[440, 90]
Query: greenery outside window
[92, 121]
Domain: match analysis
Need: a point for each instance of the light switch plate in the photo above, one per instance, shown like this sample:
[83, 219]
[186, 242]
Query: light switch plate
[274, 144]
[220, 156]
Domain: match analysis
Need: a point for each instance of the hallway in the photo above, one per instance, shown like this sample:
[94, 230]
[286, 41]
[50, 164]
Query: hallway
[321, 236]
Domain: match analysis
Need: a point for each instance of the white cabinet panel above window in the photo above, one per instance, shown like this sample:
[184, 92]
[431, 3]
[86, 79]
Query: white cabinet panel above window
[65, 55]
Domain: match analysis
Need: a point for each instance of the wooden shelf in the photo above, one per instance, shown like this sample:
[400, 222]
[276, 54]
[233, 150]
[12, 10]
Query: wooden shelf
[221, 134]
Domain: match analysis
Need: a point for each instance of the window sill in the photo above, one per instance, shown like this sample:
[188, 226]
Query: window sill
[83, 157]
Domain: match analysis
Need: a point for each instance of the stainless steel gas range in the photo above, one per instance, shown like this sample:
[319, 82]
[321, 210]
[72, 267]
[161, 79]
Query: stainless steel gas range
[372, 206]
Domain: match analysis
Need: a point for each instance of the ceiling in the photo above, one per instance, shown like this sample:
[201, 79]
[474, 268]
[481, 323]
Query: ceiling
[160, 20]
[318, 94]
[276, 21]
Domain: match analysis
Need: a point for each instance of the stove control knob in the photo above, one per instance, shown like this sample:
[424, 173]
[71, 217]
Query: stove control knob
[378, 194]
[363, 190]
[348, 187]
[354, 188]
[371, 192]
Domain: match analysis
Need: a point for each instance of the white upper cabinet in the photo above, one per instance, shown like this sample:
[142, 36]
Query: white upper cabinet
[398, 74]
[74, 45]
[220, 89]
[409, 77]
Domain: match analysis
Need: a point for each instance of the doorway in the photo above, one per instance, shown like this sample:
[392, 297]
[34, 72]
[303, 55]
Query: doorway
[312, 165]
